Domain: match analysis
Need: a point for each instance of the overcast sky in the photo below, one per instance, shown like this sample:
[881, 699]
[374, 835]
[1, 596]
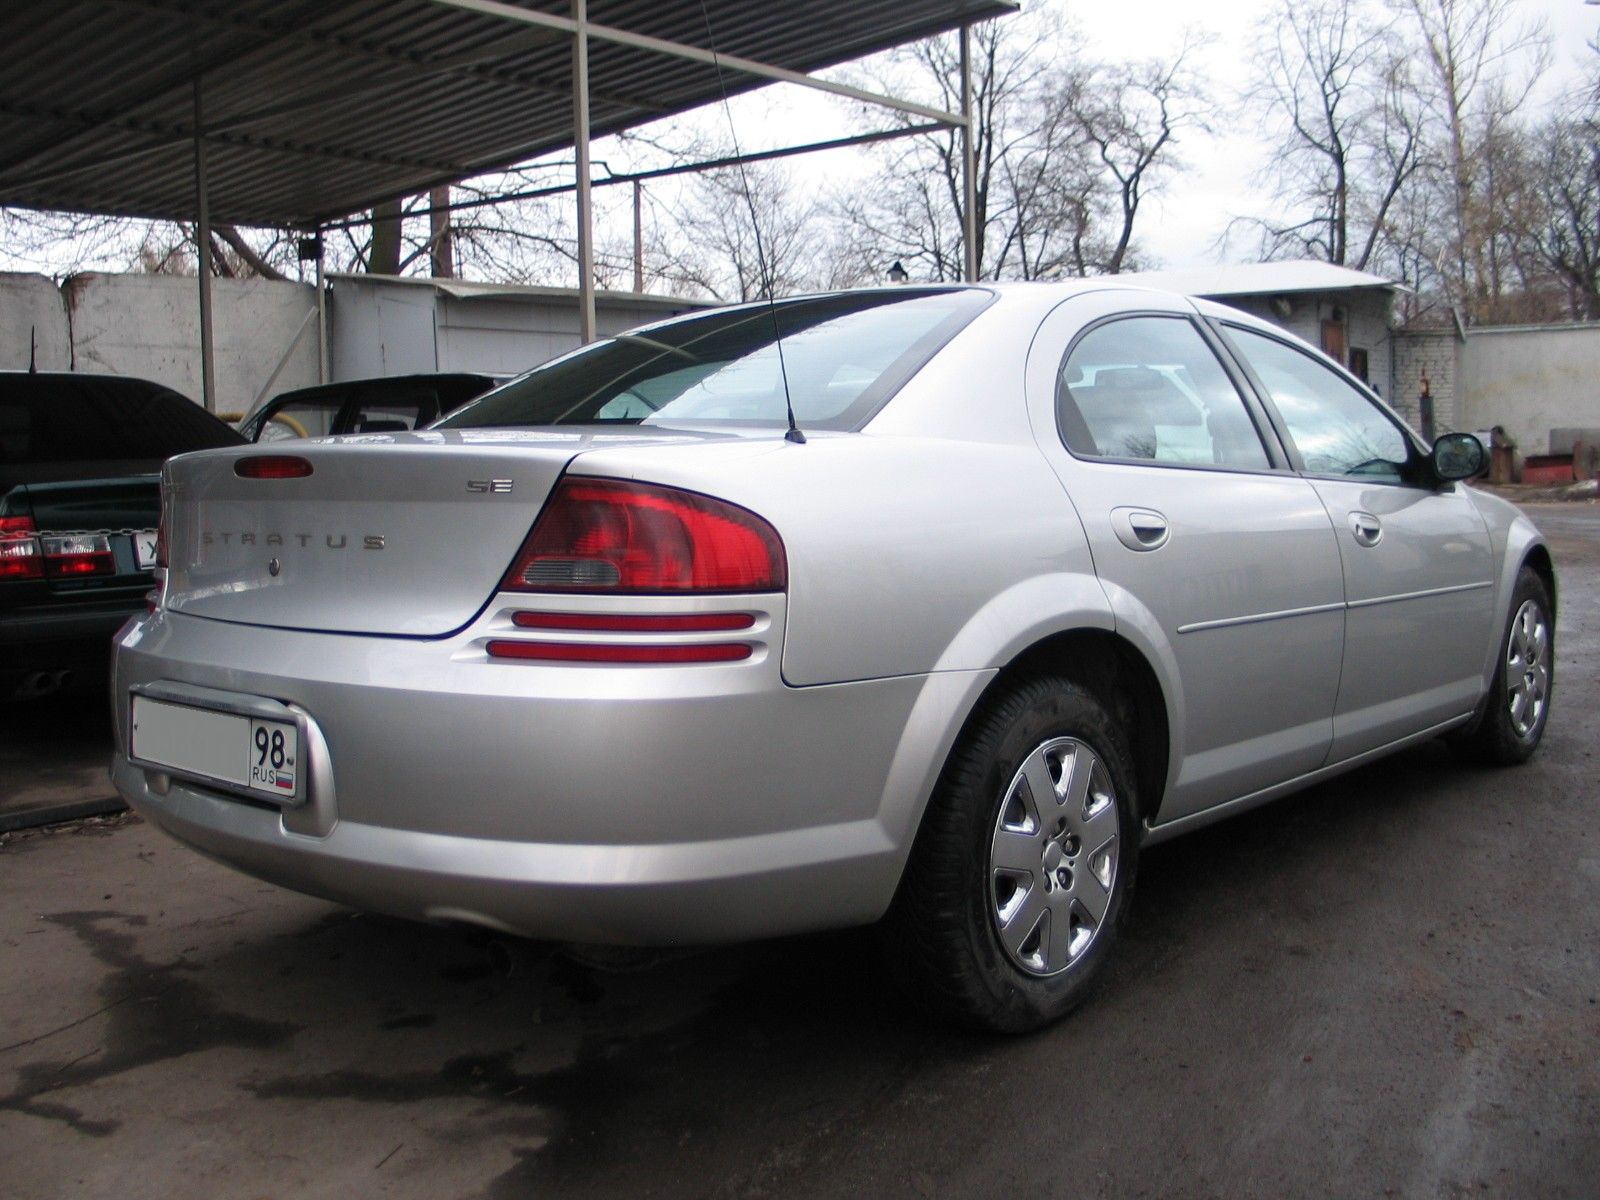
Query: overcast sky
[1189, 217]
[1182, 225]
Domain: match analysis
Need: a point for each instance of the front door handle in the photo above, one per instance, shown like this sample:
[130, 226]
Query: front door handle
[1140, 528]
[1368, 530]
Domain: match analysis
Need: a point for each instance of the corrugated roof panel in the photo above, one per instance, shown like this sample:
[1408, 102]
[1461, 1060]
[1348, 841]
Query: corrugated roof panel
[318, 108]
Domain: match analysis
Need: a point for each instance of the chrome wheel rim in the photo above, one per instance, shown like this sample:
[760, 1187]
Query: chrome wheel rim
[1053, 857]
[1527, 668]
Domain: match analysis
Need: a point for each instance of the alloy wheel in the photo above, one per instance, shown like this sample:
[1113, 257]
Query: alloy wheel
[1528, 668]
[1053, 857]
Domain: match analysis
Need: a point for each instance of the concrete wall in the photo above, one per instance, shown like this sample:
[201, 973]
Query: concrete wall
[30, 305]
[149, 326]
[1531, 379]
[382, 326]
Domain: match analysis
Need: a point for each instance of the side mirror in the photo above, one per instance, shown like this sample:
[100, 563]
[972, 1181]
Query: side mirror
[1458, 456]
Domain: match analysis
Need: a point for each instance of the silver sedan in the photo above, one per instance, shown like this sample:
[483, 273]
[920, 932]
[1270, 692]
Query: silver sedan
[924, 607]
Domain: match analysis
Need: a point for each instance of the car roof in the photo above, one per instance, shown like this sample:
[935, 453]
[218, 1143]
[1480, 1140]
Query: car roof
[341, 387]
[96, 378]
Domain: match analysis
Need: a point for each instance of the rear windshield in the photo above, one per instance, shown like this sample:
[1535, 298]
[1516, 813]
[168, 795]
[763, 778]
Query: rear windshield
[56, 418]
[842, 357]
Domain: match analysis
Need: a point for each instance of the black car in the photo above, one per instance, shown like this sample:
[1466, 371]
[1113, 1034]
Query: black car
[79, 508]
[386, 405]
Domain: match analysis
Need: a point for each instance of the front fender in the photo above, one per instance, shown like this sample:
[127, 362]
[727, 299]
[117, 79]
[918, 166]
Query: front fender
[1513, 538]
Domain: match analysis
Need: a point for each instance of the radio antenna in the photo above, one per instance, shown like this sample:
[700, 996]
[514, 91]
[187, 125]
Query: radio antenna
[794, 434]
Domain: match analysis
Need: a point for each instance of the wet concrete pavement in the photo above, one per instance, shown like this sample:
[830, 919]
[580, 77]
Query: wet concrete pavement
[1385, 986]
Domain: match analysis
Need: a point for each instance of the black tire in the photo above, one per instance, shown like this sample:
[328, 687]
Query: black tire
[1496, 737]
[942, 935]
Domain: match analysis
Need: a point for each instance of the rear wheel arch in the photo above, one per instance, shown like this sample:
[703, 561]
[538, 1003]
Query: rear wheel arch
[1009, 904]
[1119, 674]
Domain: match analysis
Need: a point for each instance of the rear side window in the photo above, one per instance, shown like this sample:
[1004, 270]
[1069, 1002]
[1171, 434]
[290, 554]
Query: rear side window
[58, 418]
[301, 418]
[395, 413]
[839, 359]
[1150, 388]
[1335, 429]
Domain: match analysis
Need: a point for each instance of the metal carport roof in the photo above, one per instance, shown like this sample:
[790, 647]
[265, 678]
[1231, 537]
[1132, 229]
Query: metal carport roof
[314, 109]
[297, 112]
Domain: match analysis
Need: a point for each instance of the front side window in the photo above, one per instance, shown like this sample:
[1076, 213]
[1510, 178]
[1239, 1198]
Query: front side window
[1150, 388]
[1336, 429]
[838, 359]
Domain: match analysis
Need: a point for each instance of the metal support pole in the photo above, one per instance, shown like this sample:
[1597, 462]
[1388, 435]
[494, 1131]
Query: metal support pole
[580, 141]
[969, 168]
[324, 373]
[638, 236]
[208, 376]
[711, 58]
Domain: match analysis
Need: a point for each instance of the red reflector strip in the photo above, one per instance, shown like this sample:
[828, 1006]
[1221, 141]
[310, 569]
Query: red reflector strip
[591, 652]
[70, 566]
[634, 622]
[272, 466]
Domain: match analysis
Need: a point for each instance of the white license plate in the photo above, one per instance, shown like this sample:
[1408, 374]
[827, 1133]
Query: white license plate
[144, 548]
[247, 752]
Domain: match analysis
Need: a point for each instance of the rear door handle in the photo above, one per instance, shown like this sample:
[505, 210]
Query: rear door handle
[1140, 528]
[1368, 530]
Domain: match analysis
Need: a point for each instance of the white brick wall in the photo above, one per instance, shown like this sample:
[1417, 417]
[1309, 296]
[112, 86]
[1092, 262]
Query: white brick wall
[1436, 354]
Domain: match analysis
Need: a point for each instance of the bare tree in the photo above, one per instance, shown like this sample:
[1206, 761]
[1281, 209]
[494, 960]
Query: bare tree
[1132, 116]
[1350, 128]
[1566, 233]
[737, 233]
[912, 211]
[63, 243]
[1471, 49]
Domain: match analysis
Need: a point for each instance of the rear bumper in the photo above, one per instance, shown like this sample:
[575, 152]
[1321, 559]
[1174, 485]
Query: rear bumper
[650, 805]
[713, 891]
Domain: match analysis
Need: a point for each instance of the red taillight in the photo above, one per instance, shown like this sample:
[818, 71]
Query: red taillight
[608, 536]
[74, 555]
[27, 554]
[272, 466]
[19, 549]
[614, 653]
[634, 622]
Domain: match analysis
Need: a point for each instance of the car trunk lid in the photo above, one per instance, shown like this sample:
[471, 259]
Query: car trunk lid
[397, 534]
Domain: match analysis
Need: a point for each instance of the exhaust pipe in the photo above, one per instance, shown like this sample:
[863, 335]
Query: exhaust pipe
[38, 684]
